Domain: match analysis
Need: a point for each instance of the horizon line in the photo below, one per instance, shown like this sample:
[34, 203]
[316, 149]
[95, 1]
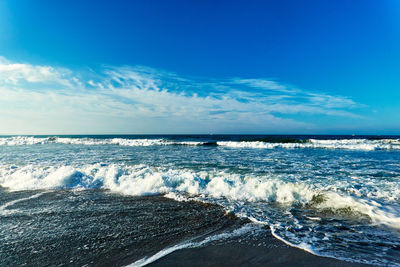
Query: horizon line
[199, 134]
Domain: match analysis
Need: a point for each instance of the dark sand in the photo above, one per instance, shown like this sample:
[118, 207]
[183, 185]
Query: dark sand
[262, 250]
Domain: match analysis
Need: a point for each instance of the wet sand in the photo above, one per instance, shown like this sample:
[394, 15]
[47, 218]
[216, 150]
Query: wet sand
[262, 250]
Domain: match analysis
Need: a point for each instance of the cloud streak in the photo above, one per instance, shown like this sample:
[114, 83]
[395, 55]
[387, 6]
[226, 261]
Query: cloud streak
[136, 99]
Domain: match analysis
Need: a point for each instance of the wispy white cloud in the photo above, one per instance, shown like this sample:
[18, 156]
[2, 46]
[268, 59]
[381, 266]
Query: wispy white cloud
[17, 73]
[264, 84]
[45, 99]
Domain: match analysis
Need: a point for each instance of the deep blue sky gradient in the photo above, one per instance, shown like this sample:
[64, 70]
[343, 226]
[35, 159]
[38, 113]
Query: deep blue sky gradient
[349, 48]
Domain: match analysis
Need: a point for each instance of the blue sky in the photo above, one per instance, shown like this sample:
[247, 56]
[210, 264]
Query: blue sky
[199, 67]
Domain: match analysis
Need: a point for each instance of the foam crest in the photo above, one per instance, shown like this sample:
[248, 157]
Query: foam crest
[350, 144]
[22, 140]
[259, 144]
[31, 177]
[344, 204]
[357, 144]
[27, 140]
[141, 180]
[113, 141]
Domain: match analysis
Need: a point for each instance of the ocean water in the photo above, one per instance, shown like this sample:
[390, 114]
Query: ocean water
[82, 199]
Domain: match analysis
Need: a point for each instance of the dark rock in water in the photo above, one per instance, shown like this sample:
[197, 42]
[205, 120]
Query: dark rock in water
[210, 144]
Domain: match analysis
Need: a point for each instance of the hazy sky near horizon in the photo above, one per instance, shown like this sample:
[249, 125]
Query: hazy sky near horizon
[134, 67]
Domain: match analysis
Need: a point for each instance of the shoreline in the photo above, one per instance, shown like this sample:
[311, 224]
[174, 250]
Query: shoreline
[125, 230]
[260, 250]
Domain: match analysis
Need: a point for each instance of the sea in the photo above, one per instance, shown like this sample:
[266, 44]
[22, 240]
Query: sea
[129, 200]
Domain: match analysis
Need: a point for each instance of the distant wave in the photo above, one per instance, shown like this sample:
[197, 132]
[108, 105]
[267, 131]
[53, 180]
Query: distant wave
[139, 180]
[349, 144]
[26, 140]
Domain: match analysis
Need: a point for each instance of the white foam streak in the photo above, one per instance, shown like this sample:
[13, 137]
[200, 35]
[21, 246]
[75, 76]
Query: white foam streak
[3, 208]
[303, 246]
[238, 232]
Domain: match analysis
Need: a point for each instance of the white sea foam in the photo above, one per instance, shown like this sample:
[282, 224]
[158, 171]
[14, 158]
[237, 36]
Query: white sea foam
[142, 180]
[350, 144]
[358, 144]
[304, 246]
[27, 140]
[22, 140]
[378, 213]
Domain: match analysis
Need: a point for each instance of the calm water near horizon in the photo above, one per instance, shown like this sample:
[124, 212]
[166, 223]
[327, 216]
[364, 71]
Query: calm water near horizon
[334, 196]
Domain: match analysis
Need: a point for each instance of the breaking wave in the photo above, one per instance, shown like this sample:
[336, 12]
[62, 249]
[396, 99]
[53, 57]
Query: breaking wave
[141, 180]
[350, 144]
